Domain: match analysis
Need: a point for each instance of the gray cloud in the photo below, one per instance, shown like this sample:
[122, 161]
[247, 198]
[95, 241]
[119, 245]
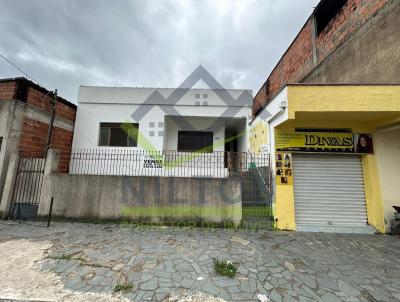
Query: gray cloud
[62, 44]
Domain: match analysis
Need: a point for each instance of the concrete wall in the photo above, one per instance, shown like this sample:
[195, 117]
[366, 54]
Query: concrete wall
[11, 117]
[4, 122]
[145, 198]
[387, 150]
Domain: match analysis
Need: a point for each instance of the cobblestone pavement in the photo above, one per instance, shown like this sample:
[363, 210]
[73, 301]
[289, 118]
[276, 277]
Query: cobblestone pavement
[159, 263]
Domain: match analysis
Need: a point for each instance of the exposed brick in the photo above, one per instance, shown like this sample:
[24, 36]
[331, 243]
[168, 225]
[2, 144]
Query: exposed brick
[33, 138]
[297, 62]
[7, 90]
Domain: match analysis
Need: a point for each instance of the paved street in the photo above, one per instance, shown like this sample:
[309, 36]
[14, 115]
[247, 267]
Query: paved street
[167, 264]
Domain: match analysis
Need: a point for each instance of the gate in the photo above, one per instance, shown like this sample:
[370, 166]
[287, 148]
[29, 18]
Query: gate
[256, 184]
[28, 185]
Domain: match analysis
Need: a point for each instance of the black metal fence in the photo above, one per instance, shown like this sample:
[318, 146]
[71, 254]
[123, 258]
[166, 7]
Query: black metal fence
[162, 163]
[28, 185]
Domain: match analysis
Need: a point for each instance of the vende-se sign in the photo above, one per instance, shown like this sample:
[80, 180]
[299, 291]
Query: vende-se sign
[323, 142]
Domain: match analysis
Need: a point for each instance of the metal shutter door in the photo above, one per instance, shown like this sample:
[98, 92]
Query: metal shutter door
[329, 190]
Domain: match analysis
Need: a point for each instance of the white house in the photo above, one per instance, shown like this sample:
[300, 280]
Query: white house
[146, 120]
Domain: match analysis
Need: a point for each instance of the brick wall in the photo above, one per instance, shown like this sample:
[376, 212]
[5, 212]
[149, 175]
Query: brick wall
[39, 99]
[33, 135]
[297, 62]
[61, 139]
[353, 14]
[7, 90]
[33, 138]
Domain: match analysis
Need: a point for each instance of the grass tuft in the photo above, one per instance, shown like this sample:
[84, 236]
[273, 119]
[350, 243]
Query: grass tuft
[122, 287]
[62, 257]
[225, 268]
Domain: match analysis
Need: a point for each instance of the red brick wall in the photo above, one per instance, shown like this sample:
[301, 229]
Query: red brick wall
[38, 99]
[297, 63]
[7, 90]
[294, 65]
[33, 138]
[353, 14]
[61, 139]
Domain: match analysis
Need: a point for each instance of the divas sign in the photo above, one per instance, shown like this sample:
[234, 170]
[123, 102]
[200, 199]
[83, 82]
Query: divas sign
[324, 142]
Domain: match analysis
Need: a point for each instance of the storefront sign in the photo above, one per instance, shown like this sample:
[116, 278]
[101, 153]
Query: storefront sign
[323, 142]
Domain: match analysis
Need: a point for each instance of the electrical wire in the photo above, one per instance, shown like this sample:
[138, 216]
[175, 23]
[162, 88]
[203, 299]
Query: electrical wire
[19, 69]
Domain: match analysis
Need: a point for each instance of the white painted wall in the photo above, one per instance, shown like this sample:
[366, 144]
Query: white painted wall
[97, 104]
[277, 115]
[101, 104]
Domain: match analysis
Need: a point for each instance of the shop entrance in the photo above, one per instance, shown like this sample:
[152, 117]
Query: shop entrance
[329, 191]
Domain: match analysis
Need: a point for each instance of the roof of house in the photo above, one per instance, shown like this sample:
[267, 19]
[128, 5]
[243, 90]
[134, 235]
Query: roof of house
[25, 81]
[159, 96]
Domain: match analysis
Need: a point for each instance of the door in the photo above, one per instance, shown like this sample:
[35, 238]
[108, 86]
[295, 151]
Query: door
[329, 190]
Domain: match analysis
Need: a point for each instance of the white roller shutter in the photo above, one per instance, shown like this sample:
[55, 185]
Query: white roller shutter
[329, 190]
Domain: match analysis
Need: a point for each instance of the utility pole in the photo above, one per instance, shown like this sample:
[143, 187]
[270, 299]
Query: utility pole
[53, 113]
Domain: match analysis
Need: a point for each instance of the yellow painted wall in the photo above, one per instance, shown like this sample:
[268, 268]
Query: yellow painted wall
[284, 207]
[372, 99]
[259, 136]
[373, 196]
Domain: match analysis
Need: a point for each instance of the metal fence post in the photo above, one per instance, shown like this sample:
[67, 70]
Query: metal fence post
[50, 211]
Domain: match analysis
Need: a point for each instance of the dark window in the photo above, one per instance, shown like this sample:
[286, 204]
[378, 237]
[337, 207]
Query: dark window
[195, 141]
[1, 142]
[326, 11]
[118, 134]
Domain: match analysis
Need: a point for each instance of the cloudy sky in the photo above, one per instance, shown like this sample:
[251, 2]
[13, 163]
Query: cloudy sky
[65, 43]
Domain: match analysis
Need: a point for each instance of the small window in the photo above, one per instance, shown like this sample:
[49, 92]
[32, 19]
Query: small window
[197, 95]
[194, 141]
[1, 142]
[118, 134]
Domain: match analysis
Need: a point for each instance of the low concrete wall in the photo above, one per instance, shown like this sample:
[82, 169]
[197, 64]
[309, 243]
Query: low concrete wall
[142, 198]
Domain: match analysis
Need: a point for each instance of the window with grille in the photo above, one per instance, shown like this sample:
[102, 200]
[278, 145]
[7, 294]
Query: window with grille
[195, 141]
[118, 134]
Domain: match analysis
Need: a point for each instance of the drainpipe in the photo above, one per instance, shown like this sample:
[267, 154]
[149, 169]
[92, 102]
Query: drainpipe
[274, 117]
[53, 112]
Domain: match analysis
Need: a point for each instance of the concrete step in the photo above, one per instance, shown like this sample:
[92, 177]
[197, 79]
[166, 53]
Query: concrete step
[348, 229]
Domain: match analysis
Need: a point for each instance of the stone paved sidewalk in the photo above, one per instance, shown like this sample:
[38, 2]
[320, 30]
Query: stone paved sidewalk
[165, 264]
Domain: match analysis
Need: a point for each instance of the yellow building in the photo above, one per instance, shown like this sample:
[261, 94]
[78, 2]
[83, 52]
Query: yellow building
[336, 156]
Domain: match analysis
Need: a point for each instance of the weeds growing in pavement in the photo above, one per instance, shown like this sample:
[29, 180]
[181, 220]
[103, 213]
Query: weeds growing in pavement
[225, 268]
